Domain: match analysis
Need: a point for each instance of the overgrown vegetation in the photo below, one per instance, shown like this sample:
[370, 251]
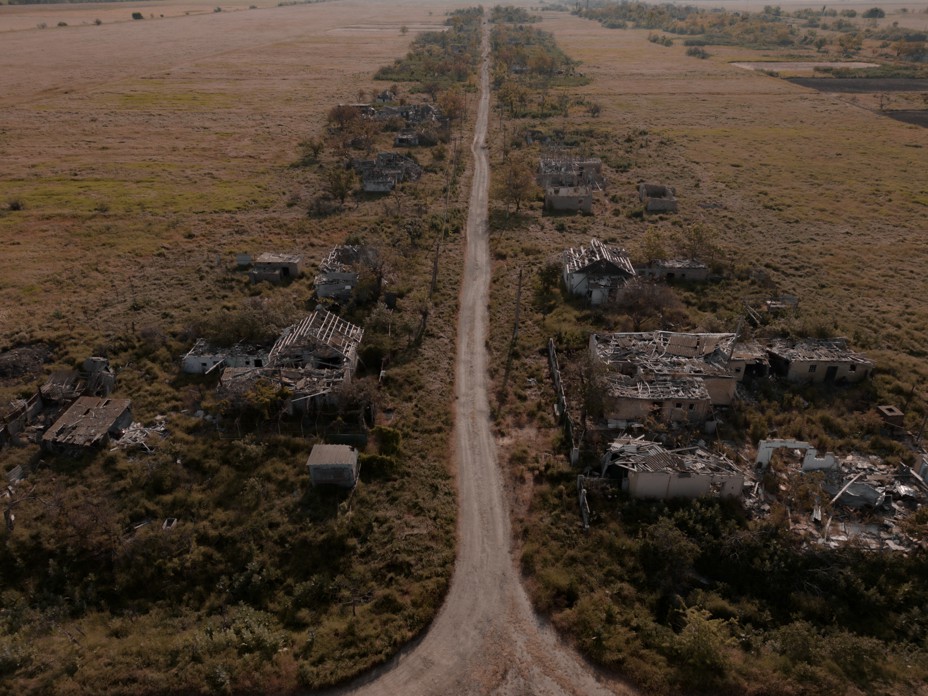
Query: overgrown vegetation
[769, 29]
[692, 597]
[440, 57]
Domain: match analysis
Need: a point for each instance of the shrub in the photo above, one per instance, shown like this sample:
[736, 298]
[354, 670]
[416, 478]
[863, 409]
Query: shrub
[138, 15]
[874, 13]
[697, 52]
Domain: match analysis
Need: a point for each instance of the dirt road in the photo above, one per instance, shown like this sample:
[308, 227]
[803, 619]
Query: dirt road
[486, 639]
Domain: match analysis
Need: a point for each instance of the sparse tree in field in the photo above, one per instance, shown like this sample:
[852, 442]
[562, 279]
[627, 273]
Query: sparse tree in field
[451, 102]
[338, 183]
[342, 115]
[653, 245]
[404, 30]
[516, 185]
[697, 242]
[850, 43]
[648, 305]
[310, 149]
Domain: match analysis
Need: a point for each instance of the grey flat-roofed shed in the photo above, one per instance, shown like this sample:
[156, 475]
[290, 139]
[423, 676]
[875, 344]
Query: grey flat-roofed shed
[335, 465]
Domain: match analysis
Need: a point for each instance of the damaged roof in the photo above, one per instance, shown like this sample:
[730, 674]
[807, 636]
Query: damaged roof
[320, 327]
[87, 422]
[816, 350]
[585, 256]
[642, 455]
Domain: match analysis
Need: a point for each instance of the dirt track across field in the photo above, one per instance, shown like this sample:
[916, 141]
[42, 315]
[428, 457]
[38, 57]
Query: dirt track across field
[486, 639]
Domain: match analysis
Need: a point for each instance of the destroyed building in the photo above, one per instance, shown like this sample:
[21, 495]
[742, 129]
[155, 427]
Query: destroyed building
[703, 356]
[670, 270]
[657, 198]
[276, 268]
[861, 498]
[667, 399]
[310, 360]
[340, 270]
[89, 422]
[557, 170]
[569, 199]
[204, 357]
[648, 470]
[385, 171]
[817, 361]
[406, 139]
[596, 271]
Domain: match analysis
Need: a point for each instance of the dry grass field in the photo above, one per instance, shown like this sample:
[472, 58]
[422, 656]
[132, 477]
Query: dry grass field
[139, 158]
[145, 154]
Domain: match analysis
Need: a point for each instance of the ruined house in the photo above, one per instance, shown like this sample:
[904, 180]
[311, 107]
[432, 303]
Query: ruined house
[385, 171]
[95, 378]
[556, 170]
[406, 139]
[310, 360]
[204, 357]
[667, 399]
[89, 422]
[596, 271]
[335, 465]
[670, 270]
[651, 355]
[817, 361]
[560, 199]
[648, 470]
[657, 198]
[276, 268]
[340, 270]
[322, 340]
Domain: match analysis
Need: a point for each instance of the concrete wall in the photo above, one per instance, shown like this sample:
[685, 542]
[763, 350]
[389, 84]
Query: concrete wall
[800, 371]
[721, 390]
[345, 475]
[581, 202]
[676, 484]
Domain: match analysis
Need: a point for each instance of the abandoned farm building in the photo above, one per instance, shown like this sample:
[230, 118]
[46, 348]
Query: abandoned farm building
[569, 199]
[335, 465]
[596, 271]
[668, 399]
[89, 422]
[657, 198]
[556, 170]
[339, 271]
[321, 340]
[674, 269]
[310, 360]
[203, 358]
[675, 377]
[817, 360]
[276, 268]
[648, 470]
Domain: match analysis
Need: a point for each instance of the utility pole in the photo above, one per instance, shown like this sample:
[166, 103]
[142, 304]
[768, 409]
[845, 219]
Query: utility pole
[515, 328]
